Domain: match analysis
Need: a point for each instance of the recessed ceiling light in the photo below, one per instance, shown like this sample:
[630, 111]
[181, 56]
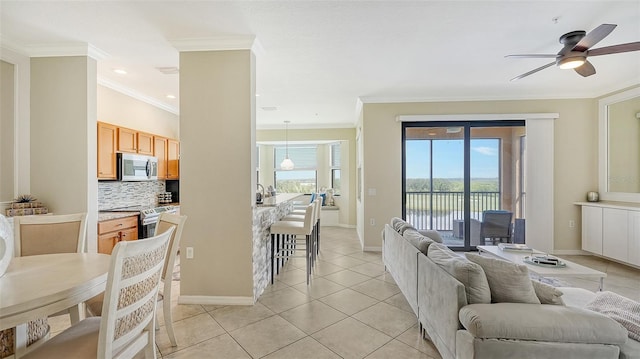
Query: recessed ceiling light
[257, 95]
[169, 70]
[171, 96]
[120, 71]
[432, 133]
[270, 108]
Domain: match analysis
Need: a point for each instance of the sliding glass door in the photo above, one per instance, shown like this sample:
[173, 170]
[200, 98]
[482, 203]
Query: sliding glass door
[460, 177]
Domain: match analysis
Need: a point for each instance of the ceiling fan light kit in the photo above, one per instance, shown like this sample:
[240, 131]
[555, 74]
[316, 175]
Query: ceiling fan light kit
[567, 63]
[576, 49]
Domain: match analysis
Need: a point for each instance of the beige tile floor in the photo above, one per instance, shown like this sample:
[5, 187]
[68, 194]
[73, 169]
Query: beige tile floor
[352, 309]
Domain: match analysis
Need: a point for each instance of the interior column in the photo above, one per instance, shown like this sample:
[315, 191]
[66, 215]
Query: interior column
[217, 174]
[63, 137]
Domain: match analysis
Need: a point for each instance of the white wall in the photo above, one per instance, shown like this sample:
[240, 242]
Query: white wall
[125, 111]
[575, 158]
[7, 132]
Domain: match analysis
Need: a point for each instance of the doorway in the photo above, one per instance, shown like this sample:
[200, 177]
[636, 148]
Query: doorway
[460, 177]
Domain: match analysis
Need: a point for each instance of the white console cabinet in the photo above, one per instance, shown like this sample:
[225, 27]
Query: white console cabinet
[612, 229]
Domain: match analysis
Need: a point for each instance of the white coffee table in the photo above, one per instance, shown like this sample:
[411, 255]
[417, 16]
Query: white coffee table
[570, 270]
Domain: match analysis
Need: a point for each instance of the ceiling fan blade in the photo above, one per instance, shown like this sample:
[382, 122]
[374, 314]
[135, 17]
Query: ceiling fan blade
[533, 71]
[615, 49]
[593, 37]
[586, 69]
[534, 56]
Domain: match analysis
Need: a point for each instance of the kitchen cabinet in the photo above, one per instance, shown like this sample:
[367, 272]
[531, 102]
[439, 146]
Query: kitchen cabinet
[160, 151]
[112, 231]
[127, 140]
[107, 137]
[145, 143]
[173, 159]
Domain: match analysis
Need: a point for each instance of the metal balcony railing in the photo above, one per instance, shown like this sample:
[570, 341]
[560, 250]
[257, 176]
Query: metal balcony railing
[439, 210]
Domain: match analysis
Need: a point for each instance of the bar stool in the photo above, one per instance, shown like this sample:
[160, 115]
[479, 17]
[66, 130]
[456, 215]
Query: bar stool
[281, 248]
[316, 229]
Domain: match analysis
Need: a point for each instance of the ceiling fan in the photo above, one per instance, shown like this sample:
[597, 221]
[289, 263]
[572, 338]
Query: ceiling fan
[577, 47]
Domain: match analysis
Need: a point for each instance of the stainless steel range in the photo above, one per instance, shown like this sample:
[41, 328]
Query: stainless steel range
[148, 217]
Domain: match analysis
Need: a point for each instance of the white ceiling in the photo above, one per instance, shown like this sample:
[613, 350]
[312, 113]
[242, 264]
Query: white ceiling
[320, 57]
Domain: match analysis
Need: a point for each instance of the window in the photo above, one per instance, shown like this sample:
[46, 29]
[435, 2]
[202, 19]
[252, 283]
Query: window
[302, 179]
[335, 167]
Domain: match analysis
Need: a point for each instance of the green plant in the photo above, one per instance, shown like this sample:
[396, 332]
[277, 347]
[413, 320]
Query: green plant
[24, 198]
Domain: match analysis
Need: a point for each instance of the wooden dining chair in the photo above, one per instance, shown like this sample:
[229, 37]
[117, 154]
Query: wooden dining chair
[50, 234]
[126, 326]
[165, 221]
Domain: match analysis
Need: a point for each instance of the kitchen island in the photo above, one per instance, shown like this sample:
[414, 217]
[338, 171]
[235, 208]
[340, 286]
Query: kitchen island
[264, 215]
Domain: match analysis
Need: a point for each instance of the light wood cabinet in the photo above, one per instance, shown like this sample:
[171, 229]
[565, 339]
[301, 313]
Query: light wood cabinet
[115, 230]
[113, 139]
[160, 151]
[127, 140]
[173, 159]
[107, 137]
[145, 143]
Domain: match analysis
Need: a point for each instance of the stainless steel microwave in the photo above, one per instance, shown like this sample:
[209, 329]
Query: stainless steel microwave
[133, 167]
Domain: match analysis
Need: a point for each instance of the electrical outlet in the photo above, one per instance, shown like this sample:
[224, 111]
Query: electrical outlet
[572, 223]
[372, 221]
[189, 252]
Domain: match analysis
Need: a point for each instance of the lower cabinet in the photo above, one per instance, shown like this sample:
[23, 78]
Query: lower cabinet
[612, 231]
[592, 229]
[115, 230]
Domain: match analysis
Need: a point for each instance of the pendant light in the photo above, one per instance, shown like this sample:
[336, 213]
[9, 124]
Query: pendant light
[286, 164]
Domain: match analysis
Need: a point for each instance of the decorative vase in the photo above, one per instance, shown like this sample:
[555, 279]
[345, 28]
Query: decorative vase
[593, 196]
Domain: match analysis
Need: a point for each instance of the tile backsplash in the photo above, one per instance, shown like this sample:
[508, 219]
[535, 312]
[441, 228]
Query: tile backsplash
[112, 194]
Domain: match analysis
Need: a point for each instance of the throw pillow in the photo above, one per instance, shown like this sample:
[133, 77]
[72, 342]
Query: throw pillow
[621, 309]
[400, 225]
[509, 282]
[469, 274]
[547, 294]
[417, 240]
[434, 235]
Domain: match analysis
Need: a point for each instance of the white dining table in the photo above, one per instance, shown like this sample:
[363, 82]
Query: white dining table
[37, 286]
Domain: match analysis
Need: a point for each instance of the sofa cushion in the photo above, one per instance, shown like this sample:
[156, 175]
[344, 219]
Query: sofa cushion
[508, 282]
[469, 274]
[417, 240]
[434, 235]
[400, 225]
[547, 294]
[540, 322]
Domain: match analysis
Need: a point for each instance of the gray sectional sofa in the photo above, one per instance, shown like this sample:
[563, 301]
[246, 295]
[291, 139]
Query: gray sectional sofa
[431, 278]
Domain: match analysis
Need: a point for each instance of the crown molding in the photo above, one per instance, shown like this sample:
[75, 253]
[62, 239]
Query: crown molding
[219, 43]
[137, 95]
[58, 49]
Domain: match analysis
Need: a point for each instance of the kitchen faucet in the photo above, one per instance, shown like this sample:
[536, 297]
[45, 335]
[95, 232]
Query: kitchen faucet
[260, 195]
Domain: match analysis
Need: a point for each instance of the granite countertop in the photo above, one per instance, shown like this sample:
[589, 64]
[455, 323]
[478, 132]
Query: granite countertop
[106, 216]
[279, 199]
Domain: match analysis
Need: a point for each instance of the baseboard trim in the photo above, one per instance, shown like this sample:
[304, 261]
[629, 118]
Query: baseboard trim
[372, 249]
[571, 252]
[350, 226]
[214, 300]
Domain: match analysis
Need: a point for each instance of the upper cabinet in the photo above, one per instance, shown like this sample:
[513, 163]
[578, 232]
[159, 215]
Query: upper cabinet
[145, 143]
[127, 140]
[113, 139]
[173, 159]
[107, 136]
[160, 151]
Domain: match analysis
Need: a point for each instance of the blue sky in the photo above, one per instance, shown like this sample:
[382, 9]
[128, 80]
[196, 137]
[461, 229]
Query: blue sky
[449, 158]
